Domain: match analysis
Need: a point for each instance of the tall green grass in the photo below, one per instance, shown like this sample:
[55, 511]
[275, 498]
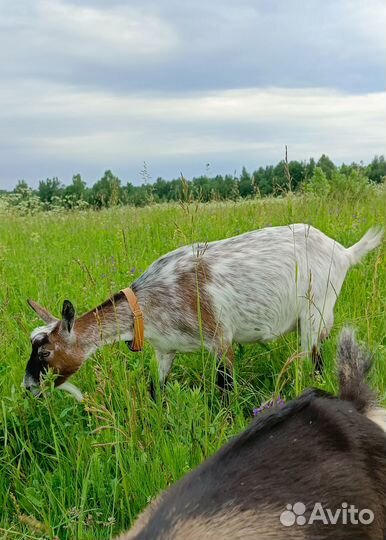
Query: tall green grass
[85, 471]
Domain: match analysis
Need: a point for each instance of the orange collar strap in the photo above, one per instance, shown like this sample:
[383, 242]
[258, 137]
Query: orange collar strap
[139, 329]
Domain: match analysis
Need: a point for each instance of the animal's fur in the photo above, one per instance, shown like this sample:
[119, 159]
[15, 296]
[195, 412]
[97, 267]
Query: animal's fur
[253, 287]
[354, 365]
[317, 449]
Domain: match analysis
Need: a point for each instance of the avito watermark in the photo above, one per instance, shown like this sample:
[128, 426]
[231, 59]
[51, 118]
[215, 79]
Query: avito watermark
[346, 514]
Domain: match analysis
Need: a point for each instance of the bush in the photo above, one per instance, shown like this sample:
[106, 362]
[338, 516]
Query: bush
[352, 185]
[318, 184]
[23, 200]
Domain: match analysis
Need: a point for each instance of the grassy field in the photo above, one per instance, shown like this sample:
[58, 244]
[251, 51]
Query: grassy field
[84, 471]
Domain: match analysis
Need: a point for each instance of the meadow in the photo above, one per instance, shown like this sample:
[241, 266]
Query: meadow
[83, 471]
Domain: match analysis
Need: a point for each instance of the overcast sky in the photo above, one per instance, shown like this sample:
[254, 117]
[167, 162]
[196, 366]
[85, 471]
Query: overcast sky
[92, 85]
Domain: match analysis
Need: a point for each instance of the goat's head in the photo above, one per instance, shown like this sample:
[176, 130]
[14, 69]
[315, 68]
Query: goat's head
[54, 346]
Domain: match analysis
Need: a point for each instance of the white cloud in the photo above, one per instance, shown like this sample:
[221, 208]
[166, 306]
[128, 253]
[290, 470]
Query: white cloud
[369, 21]
[50, 34]
[87, 84]
[180, 46]
[250, 124]
[128, 33]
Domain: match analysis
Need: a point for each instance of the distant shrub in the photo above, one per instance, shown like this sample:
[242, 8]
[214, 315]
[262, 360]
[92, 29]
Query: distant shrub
[318, 184]
[352, 185]
[23, 200]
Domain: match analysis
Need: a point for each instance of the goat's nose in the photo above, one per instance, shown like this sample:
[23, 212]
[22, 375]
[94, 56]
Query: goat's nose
[30, 384]
[35, 390]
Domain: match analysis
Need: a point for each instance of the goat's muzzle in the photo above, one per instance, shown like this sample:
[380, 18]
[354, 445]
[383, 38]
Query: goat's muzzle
[31, 385]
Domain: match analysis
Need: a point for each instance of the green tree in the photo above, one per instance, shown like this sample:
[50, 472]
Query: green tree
[107, 191]
[297, 170]
[50, 188]
[202, 188]
[309, 169]
[264, 179]
[326, 165]
[23, 189]
[376, 171]
[245, 184]
[77, 189]
[280, 180]
[318, 184]
[161, 190]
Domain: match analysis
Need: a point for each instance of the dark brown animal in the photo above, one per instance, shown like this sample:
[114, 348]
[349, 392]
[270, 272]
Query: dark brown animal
[290, 474]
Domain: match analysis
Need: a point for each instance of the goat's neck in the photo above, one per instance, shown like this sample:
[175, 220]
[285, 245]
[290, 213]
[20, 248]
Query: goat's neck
[108, 323]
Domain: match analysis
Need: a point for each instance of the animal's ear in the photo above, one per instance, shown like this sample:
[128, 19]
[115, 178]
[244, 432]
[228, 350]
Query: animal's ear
[43, 313]
[68, 316]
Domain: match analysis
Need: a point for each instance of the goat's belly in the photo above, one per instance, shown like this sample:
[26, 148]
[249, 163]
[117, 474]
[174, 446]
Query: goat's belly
[264, 333]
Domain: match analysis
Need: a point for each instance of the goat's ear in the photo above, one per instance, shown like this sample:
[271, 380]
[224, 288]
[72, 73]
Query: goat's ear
[68, 316]
[43, 313]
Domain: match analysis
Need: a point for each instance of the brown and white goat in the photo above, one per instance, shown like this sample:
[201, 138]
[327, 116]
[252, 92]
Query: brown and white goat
[315, 469]
[253, 287]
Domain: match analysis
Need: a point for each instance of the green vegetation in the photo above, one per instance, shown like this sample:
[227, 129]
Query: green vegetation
[319, 177]
[84, 471]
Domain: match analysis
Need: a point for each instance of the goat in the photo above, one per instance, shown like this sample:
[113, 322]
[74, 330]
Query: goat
[290, 474]
[253, 287]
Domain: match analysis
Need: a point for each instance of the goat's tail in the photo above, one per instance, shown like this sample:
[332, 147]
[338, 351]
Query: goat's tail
[367, 243]
[354, 363]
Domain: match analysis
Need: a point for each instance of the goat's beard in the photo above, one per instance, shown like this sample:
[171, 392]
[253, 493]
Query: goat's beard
[71, 389]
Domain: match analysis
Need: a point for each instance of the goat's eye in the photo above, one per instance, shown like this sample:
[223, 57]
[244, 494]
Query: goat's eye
[45, 354]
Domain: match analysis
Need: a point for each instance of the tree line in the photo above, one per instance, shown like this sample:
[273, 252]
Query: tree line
[320, 177]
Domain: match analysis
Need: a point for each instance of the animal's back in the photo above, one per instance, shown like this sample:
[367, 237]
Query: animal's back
[242, 490]
[259, 282]
[268, 276]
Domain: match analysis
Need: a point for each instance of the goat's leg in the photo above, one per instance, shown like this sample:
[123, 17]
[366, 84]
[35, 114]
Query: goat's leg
[317, 359]
[165, 362]
[311, 346]
[225, 368]
[314, 329]
[316, 322]
[316, 354]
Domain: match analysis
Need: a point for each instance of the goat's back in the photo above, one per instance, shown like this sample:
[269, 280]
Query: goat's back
[255, 285]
